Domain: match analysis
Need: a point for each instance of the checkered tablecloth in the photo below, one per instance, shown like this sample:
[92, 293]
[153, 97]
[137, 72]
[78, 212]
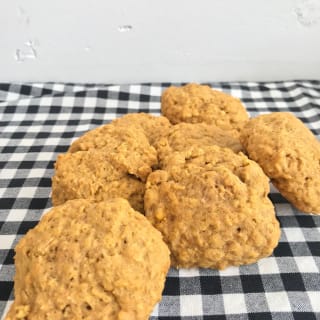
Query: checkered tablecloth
[38, 121]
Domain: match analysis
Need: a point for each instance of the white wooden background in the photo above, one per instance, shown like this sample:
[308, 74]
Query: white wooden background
[124, 41]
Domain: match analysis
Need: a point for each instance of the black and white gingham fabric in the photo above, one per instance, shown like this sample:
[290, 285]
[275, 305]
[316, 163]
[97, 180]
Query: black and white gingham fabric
[38, 121]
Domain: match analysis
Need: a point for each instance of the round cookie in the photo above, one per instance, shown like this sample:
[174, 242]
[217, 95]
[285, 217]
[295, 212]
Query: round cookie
[129, 145]
[289, 154]
[95, 174]
[154, 127]
[87, 260]
[212, 208]
[183, 135]
[199, 103]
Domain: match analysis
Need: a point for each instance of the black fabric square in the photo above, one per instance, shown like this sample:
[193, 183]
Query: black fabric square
[18, 135]
[283, 250]
[99, 110]
[124, 96]
[9, 257]
[35, 148]
[38, 203]
[260, 316]
[33, 109]
[77, 109]
[6, 203]
[45, 182]
[304, 316]
[26, 90]
[16, 183]
[6, 288]
[172, 287]
[251, 283]
[8, 149]
[25, 226]
[314, 248]
[102, 94]
[54, 109]
[292, 282]
[306, 221]
[26, 165]
[210, 285]
[43, 135]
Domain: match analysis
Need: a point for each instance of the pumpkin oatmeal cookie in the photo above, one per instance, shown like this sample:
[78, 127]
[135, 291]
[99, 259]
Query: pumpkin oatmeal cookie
[212, 208]
[199, 103]
[87, 260]
[289, 154]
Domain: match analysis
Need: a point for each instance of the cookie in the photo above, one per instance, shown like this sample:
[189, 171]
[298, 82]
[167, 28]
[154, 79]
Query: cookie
[129, 145]
[87, 260]
[154, 127]
[212, 208]
[289, 154]
[199, 103]
[183, 135]
[95, 174]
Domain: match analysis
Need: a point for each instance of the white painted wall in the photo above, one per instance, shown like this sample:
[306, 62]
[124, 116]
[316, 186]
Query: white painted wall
[125, 41]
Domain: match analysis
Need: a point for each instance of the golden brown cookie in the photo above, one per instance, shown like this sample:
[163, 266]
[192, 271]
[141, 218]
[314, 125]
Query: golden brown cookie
[87, 260]
[95, 174]
[129, 145]
[212, 208]
[289, 154]
[154, 127]
[199, 103]
[184, 135]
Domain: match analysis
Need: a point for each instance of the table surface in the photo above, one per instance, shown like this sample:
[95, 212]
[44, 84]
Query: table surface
[39, 120]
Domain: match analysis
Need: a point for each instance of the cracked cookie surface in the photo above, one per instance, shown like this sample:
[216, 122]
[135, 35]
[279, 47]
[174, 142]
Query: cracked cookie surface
[95, 174]
[199, 103]
[184, 135]
[129, 145]
[212, 208]
[87, 260]
[154, 127]
[289, 154]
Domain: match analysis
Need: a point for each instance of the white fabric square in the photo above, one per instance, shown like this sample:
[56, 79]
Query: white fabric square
[230, 271]
[268, 266]
[27, 192]
[314, 297]
[45, 156]
[46, 101]
[90, 102]
[278, 301]
[294, 234]
[190, 305]
[306, 264]
[7, 241]
[8, 173]
[16, 215]
[36, 173]
[234, 303]
[68, 101]
[17, 156]
[187, 273]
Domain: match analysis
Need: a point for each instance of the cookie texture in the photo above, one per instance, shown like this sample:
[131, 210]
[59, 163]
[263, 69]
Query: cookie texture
[184, 135]
[87, 260]
[154, 127]
[212, 208]
[95, 174]
[199, 103]
[289, 154]
[129, 145]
